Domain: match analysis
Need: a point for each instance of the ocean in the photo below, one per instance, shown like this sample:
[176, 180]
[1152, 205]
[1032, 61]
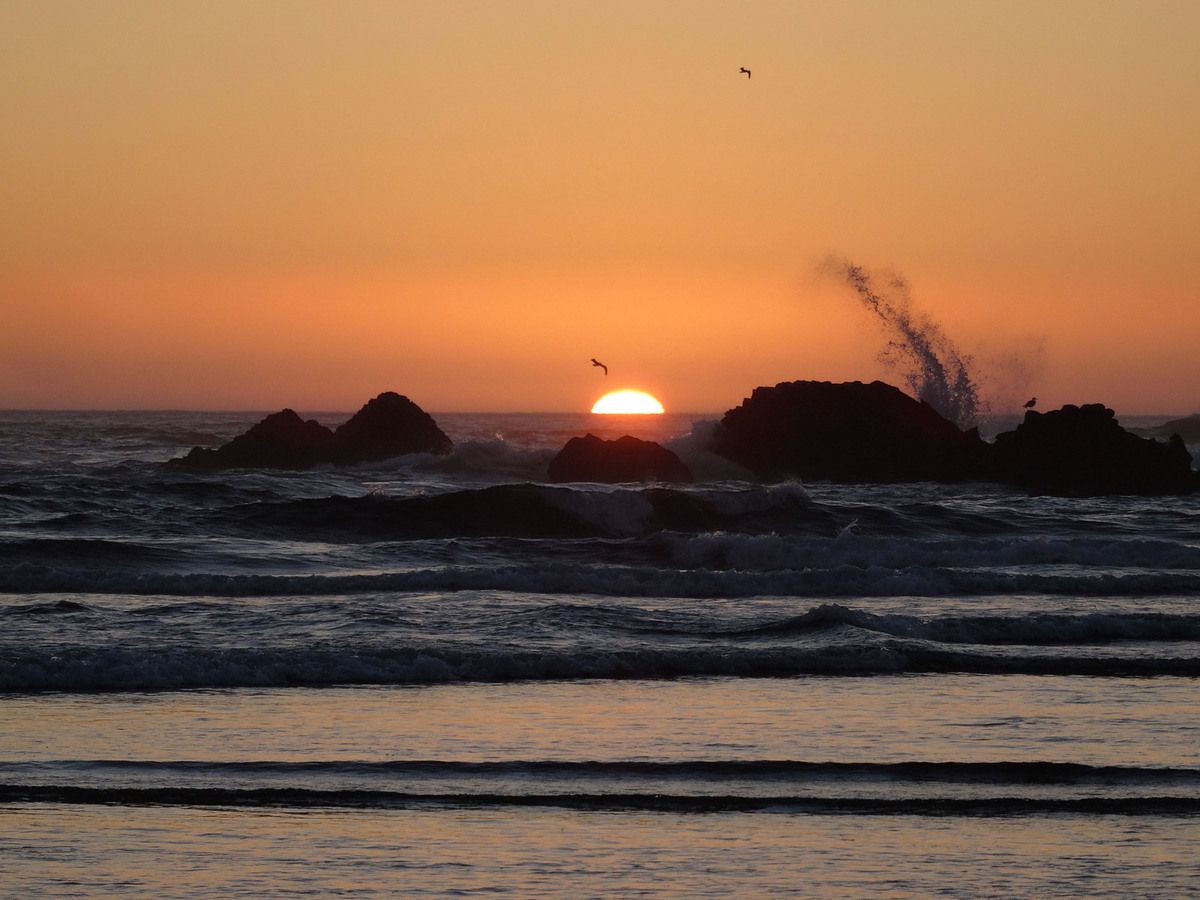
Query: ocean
[442, 676]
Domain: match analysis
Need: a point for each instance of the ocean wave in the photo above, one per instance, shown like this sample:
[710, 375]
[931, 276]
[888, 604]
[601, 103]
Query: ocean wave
[767, 552]
[519, 620]
[88, 669]
[597, 579]
[50, 608]
[300, 798]
[97, 550]
[489, 459]
[533, 510]
[1033, 629]
[1033, 772]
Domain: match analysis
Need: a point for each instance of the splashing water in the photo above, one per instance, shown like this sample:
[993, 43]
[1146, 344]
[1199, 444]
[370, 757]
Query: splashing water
[931, 365]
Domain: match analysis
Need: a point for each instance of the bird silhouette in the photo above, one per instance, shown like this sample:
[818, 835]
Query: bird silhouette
[1031, 403]
[596, 362]
[744, 71]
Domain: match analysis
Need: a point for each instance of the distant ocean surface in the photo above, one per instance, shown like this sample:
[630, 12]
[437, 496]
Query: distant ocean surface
[444, 676]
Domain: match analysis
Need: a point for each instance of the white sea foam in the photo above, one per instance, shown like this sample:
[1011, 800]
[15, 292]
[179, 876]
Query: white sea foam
[695, 450]
[491, 460]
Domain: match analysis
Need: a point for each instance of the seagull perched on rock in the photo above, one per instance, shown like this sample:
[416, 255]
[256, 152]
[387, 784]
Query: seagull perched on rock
[744, 71]
[596, 362]
[1031, 403]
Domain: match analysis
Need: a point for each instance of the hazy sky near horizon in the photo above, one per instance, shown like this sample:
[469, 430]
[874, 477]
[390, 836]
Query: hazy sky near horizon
[258, 205]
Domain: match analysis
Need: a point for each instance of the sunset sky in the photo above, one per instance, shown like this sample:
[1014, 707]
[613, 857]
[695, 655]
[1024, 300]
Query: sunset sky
[229, 205]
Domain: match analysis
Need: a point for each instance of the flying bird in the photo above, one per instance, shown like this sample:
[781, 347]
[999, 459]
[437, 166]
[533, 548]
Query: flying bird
[744, 71]
[596, 362]
[1030, 404]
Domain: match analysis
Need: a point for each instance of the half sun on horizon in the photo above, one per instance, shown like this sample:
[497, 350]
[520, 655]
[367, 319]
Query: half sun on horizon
[627, 402]
[319, 573]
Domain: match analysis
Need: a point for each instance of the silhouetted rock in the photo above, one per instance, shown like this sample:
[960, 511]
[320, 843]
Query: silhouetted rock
[390, 425]
[1082, 451]
[625, 459]
[849, 432]
[280, 441]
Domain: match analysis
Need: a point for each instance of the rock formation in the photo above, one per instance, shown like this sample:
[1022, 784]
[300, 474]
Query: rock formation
[850, 432]
[390, 425]
[625, 459]
[1083, 451]
[857, 432]
[280, 441]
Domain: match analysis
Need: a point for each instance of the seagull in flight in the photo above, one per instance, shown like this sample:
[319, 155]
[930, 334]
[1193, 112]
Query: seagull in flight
[596, 362]
[744, 71]
[1030, 404]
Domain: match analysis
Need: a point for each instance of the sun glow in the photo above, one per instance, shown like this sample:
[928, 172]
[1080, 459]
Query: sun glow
[627, 402]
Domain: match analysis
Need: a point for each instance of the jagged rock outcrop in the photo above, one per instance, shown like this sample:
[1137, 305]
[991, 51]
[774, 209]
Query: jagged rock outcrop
[1082, 451]
[390, 425]
[849, 432]
[625, 459]
[280, 441]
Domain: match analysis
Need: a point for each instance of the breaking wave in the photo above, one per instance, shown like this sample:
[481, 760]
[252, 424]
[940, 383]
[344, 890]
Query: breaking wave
[89, 669]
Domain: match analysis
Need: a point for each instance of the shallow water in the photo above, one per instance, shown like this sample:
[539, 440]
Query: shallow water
[183, 852]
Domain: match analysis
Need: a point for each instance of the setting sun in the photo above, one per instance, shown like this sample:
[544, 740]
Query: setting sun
[627, 402]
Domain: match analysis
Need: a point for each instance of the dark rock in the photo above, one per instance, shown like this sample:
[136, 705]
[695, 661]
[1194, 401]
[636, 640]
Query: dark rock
[1082, 451]
[390, 425]
[849, 432]
[280, 441]
[625, 459]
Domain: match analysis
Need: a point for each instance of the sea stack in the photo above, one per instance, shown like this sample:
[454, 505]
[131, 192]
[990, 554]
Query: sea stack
[390, 425]
[1082, 451]
[611, 462]
[848, 432]
[280, 441]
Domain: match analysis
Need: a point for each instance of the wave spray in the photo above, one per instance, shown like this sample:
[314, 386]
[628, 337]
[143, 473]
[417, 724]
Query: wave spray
[933, 368]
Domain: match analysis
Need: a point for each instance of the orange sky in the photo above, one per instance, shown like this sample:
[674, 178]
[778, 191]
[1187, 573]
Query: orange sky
[229, 205]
